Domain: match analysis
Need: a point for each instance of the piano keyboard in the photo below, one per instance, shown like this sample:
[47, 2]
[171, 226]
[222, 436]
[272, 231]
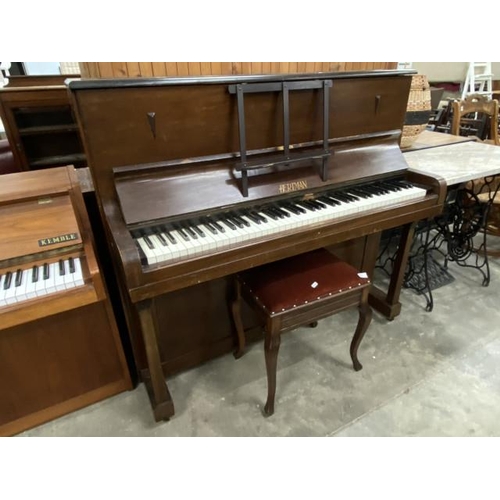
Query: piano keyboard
[39, 280]
[177, 241]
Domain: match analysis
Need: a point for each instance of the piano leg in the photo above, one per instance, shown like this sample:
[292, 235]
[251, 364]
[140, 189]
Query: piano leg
[154, 379]
[388, 303]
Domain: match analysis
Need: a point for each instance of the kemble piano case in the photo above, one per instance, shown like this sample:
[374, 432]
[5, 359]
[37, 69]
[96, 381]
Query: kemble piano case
[60, 349]
[183, 167]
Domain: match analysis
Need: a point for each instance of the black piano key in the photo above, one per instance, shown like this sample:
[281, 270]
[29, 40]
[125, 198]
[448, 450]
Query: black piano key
[369, 189]
[341, 197]
[349, 196]
[235, 220]
[382, 189]
[71, 263]
[218, 226]
[242, 220]
[181, 232]
[259, 216]
[190, 231]
[360, 193]
[308, 205]
[228, 223]
[19, 277]
[282, 211]
[209, 225]
[62, 270]
[291, 208]
[296, 207]
[7, 281]
[149, 243]
[34, 273]
[46, 270]
[276, 212]
[253, 217]
[169, 236]
[402, 183]
[163, 241]
[270, 214]
[329, 201]
[318, 204]
[391, 187]
[198, 230]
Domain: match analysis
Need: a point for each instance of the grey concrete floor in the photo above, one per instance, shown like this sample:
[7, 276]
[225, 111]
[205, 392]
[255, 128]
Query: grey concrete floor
[424, 374]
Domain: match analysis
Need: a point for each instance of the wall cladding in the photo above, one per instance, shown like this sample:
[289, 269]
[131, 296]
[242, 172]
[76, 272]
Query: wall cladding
[147, 69]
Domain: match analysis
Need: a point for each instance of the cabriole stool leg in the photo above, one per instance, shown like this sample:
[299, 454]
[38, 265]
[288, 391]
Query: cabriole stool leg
[365, 317]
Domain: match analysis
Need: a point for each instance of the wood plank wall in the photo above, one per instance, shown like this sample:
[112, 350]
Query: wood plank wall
[140, 69]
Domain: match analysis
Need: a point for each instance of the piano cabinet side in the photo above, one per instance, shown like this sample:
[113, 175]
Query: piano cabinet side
[387, 303]
[436, 183]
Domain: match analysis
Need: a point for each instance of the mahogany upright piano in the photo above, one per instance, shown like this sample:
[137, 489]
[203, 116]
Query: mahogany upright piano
[199, 178]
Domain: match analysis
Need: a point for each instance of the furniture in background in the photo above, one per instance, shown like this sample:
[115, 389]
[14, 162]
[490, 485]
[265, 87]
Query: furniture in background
[39, 122]
[296, 291]
[7, 163]
[465, 114]
[471, 171]
[467, 119]
[60, 349]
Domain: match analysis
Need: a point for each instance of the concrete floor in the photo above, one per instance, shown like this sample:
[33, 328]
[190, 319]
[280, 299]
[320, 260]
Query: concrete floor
[425, 374]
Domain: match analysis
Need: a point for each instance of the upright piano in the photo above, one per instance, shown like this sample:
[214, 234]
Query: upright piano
[60, 348]
[199, 178]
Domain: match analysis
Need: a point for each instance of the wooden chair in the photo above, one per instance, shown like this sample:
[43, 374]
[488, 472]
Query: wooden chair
[298, 291]
[477, 103]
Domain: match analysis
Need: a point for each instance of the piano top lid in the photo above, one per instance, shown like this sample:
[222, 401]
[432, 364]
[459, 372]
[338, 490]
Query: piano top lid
[36, 213]
[103, 83]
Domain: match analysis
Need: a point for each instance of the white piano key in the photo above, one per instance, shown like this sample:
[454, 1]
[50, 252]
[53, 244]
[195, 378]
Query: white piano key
[50, 286]
[150, 255]
[3, 302]
[10, 293]
[40, 285]
[78, 275]
[30, 285]
[60, 285]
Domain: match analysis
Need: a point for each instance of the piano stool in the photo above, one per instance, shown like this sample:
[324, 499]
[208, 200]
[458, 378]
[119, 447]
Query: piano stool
[297, 291]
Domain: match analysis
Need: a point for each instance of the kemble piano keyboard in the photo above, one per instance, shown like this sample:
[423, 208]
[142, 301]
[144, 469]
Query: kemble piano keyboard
[200, 178]
[59, 345]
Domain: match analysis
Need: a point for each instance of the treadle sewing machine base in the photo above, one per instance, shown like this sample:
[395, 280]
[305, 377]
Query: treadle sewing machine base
[452, 236]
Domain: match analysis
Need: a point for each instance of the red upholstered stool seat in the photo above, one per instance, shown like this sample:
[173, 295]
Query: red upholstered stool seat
[297, 291]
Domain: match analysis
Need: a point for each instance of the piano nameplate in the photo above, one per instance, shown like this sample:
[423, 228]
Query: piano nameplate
[23, 225]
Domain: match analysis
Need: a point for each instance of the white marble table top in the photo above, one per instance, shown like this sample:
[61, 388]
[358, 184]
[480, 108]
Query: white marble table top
[457, 163]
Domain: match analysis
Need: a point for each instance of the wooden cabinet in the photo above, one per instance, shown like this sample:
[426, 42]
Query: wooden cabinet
[39, 123]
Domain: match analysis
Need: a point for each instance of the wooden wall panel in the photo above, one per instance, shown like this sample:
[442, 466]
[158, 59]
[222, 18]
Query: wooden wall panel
[145, 69]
